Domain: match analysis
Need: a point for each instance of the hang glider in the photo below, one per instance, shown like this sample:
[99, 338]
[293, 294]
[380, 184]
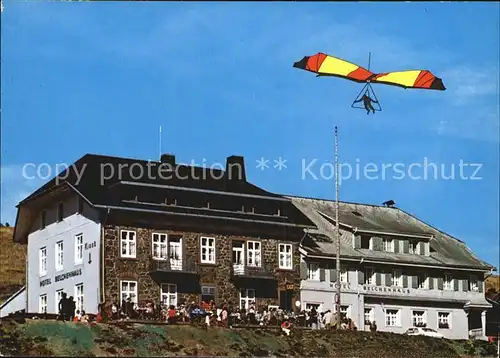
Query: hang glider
[325, 65]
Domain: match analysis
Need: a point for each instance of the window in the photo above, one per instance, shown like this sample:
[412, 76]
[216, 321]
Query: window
[159, 246]
[127, 243]
[59, 255]
[397, 278]
[473, 284]
[60, 211]
[208, 250]
[310, 306]
[422, 281]
[58, 298]
[388, 245]
[444, 320]
[128, 289]
[43, 261]
[43, 219]
[169, 294]
[392, 317]
[412, 247]
[285, 255]
[448, 282]
[247, 298]
[79, 297]
[238, 253]
[175, 253]
[369, 276]
[80, 204]
[208, 293]
[419, 319]
[344, 311]
[313, 271]
[253, 253]
[344, 274]
[368, 315]
[78, 248]
[42, 304]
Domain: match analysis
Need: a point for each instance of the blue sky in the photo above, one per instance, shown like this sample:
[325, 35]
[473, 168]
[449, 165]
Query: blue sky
[102, 77]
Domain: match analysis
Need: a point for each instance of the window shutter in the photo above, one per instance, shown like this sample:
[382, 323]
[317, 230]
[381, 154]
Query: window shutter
[361, 277]
[480, 285]
[321, 274]
[396, 246]
[414, 282]
[431, 283]
[303, 271]
[405, 281]
[440, 283]
[357, 241]
[388, 280]
[333, 275]
[406, 246]
[455, 284]
[378, 278]
[465, 285]
[422, 247]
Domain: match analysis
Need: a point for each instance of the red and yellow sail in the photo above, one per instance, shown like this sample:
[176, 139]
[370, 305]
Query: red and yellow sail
[325, 65]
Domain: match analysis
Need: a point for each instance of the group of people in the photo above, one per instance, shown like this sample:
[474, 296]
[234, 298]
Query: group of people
[67, 310]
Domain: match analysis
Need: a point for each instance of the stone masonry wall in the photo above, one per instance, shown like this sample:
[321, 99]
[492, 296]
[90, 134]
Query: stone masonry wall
[219, 275]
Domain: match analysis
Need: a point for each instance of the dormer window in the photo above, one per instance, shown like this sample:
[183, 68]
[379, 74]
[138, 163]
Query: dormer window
[388, 245]
[412, 247]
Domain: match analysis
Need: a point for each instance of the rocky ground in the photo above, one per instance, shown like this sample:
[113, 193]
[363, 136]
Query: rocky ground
[50, 338]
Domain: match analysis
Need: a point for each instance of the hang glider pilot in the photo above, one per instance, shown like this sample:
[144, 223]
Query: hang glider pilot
[367, 102]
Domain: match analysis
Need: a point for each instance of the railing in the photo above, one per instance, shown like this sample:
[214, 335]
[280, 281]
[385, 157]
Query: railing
[173, 265]
[476, 333]
[263, 271]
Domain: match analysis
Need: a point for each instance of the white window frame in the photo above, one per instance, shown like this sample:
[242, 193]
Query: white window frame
[397, 278]
[388, 245]
[425, 283]
[448, 284]
[370, 279]
[42, 257]
[168, 296]
[241, 253]
[42, 303]
[206, 289]
[285, 256]
[254, 255]
[473, 283]
[79, 296]
[448, 318]
[247, 297]
[58, 296]
[343, 309]
[130, 250]
[370, 314]
[159, 241]
[128, 291]
[412, 247]
[207, 257]
[313, 271]
[389, 312]
[415, 318]
[59, 255]
[78, 248]
[344, 274]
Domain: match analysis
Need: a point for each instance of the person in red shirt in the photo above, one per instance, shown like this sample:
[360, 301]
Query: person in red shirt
[172, 315]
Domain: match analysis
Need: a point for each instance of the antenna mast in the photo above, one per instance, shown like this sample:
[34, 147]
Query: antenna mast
[369, 60]
[337, 231]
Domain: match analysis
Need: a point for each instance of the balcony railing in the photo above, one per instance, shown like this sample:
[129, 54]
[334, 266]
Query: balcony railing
[172, 265]
[264, 271]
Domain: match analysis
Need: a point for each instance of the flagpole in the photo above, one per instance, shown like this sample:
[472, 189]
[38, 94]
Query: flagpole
[337, 231]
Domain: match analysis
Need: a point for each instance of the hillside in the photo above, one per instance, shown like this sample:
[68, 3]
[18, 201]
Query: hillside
[51, 338]
[12, 264]
[492, 283]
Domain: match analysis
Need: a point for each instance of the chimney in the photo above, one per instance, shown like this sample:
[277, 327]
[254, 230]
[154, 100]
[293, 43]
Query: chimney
[168, 159]
[235, 168]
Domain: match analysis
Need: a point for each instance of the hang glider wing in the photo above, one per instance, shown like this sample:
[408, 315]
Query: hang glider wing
[325, 65]
[422, 79]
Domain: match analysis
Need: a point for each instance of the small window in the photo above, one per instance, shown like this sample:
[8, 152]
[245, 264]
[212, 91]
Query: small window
[444, 320]
[60, 211]
[368, 316]
[43, 219]
[59, 255]
[159, 246]
[79, 249]
[473, 284]
[43, 261]
[392, 317]
[247, 298]
[369, 276]
[128, 289]
[207, 251]
[423, 281]
[169, 294]
[58, 299]
[128, 243]
[253, 254]
[79, 297]
[313, 271]
[285, 256]
[397, 278]
[419, 319]
[448, 282]
[344, 274]
[42, 304]
[207, 294]
[388, 245]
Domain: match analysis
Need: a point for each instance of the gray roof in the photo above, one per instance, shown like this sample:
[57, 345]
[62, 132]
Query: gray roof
[445, 249]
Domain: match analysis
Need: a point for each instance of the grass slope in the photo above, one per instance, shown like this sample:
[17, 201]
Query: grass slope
[49, 338]
[12, 264]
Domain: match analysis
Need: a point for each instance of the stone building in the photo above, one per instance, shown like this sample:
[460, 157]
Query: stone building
[111, 228]
[396, 270]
